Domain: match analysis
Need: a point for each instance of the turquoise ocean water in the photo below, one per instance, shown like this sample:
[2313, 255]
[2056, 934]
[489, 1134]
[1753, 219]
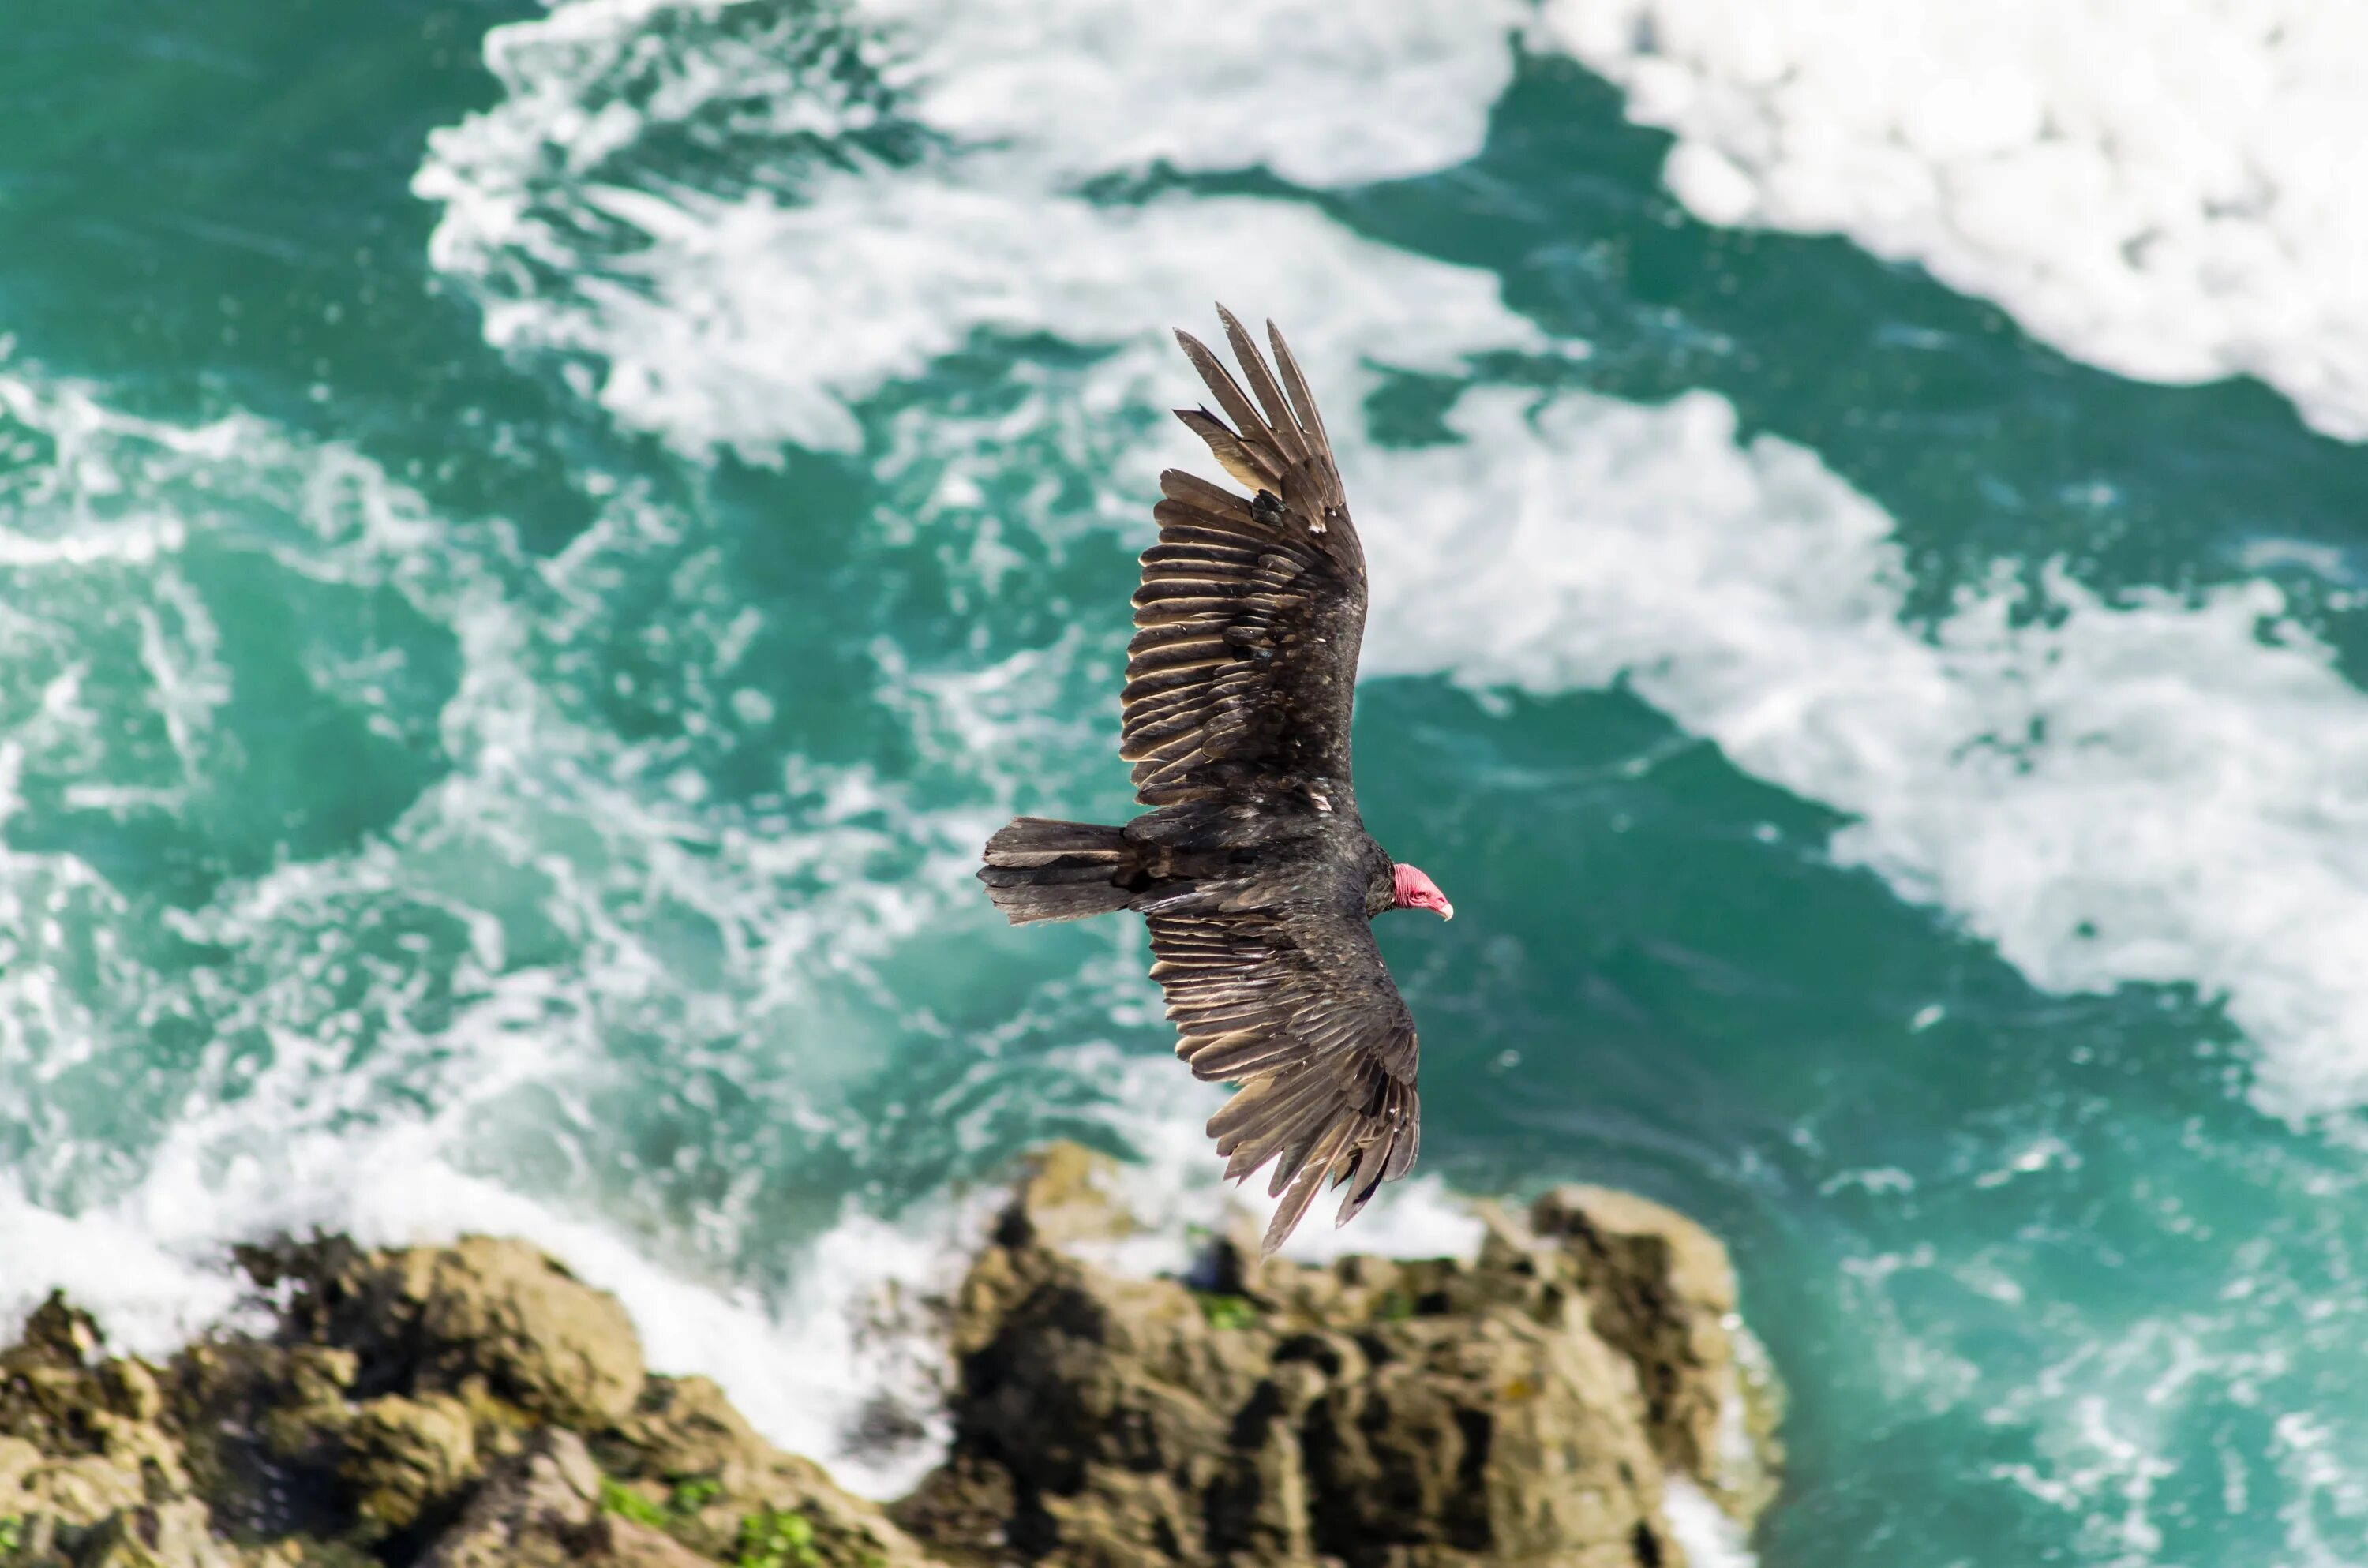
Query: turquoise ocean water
[534, 545]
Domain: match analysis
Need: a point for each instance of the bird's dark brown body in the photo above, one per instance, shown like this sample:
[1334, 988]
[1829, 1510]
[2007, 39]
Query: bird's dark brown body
[1252, 868]
[1249, 855]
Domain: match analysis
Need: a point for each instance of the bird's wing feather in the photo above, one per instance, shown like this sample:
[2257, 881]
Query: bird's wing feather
[1296, 1006]
[1243, 671]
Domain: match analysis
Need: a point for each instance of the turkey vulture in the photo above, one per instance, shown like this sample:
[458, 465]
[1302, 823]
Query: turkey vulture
[1252, 868]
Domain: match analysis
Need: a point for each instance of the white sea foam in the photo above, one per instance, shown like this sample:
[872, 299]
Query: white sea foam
[153, 1268]
[2121, 793]
[853, 1331]
[150, 1298]
[1177, 1192]
[760, 322]
[2151, 791]
[1320, 96]
[2147, 790]
[742, 319]
[1252, 249]
[362, 1118]
[539, 881]
[1708, 1537]
[2156, 789]
[1066, 91]
[2150, 185]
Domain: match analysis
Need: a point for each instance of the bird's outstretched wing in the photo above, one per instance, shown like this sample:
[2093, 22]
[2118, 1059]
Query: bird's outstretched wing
[1297, 1007]
[1243, 669]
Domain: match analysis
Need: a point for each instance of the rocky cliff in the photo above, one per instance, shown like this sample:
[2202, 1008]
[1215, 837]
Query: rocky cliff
[476, 1406]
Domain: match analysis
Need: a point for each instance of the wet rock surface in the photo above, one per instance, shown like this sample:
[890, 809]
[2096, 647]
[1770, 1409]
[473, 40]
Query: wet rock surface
[477, 1406]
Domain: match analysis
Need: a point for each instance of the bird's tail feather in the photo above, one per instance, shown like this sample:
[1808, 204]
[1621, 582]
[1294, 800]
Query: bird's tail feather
[1041, 870]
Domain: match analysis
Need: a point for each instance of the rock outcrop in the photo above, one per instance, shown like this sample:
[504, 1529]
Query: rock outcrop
[470, 1406]
[476, 1406]
[1520, 1408]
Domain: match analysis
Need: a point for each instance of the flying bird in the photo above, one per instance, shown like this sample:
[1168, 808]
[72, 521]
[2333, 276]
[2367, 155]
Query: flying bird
[1252, 867]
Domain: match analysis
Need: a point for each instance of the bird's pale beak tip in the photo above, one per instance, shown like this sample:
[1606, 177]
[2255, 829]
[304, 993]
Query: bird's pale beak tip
[1446, 912]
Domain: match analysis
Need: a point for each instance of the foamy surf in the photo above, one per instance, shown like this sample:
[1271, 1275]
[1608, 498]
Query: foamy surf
[815, 1365]
[384, 1113]
[2090, 796]
[806, 1368]
[2156, 789]
[574, 893]
[2109, 794]
[1175, 1191]
[2146, 186]
[2150, 791]
[1708, 1537]
[681, 315]
[321, 1042]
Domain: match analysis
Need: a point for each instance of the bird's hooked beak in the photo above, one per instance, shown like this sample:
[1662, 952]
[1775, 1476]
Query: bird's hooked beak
[1415, 891]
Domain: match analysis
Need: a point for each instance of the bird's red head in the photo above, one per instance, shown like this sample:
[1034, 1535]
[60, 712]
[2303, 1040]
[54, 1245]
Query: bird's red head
[1416, 891]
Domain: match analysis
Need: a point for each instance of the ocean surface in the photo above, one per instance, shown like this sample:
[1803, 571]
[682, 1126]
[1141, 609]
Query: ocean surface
[535, 542]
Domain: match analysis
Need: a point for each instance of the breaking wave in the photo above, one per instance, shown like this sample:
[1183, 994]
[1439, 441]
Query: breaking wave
[555, 932]
[2150, 790]
[2146, 186]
